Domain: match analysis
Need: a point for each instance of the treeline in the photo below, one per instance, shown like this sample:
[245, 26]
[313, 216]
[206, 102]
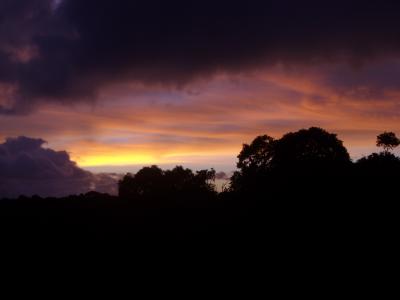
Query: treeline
[153, 182]
[303, 182]
[309, 159]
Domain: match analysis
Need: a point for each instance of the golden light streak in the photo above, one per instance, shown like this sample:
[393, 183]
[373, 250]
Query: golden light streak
[115, 160]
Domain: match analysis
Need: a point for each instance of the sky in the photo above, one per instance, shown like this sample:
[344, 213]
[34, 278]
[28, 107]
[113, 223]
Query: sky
[110, 86]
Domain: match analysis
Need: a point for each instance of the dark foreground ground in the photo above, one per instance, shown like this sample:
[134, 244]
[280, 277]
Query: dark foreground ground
[295, 214]
[295, 238]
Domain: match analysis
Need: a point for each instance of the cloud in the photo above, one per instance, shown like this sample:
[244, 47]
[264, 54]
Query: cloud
[27, 168]
[66, 51]
[222, 176]
[209, 127]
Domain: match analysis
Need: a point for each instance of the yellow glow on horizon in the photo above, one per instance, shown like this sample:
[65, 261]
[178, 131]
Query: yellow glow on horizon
[112, 157]
[115, 160]
[208, 128]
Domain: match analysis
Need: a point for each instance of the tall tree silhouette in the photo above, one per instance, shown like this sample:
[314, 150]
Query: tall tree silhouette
[387, 140]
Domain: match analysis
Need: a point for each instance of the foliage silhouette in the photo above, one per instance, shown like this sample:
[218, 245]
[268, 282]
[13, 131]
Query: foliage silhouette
[384, 164]
[387, 140]
[147, 182]
[311, 150]
[308, 152]
[303, 183]
[258, 154]
[153, 182]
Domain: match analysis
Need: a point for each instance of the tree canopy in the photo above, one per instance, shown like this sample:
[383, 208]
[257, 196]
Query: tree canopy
[311, 152]
[150, 182]
[310, 149]
[387, 140]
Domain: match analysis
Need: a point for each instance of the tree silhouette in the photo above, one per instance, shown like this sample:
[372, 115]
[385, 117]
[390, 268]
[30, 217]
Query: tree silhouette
[381, 164]
[178, 179]
[387, 140]
[258, 154]
[254, 161]
[153, 182]
[147, 182]
[204, 181]
[311, 152]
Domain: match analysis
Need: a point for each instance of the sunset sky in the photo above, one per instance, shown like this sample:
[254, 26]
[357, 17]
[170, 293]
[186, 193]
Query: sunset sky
[123, 84]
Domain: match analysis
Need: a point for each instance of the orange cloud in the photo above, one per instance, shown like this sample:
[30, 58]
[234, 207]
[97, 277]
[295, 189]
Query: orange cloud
[207, 122]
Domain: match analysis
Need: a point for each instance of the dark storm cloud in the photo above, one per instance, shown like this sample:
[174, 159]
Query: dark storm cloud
[68, 51]
[26, 168]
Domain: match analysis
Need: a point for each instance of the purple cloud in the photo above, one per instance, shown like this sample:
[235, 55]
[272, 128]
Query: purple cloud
[27, 168]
